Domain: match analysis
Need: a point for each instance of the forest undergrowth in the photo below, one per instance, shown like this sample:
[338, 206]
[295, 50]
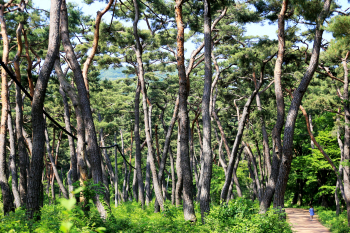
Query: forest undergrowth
[239, 215]
[329, 218]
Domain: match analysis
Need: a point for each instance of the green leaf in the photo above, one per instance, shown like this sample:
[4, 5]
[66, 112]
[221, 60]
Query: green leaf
[66, 226]
[68, 204]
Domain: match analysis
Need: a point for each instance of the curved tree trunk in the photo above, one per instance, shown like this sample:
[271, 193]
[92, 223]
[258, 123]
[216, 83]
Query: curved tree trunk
[298, 94]
[38, 123]
[92, 149]
[277, 130]
[138, 50]
[166, 147]
[81, 151]
[224, 192]
[93, 50]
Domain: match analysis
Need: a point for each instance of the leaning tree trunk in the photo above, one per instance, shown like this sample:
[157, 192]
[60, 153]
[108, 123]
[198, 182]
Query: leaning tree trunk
[81, 152]
[94, 48]
[38, 123]
[224, 192]
[166, 147]
[298, 94]
[92, 149]
[138, 51]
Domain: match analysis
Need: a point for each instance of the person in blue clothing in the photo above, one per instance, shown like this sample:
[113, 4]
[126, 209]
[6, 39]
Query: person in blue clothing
[312, 212]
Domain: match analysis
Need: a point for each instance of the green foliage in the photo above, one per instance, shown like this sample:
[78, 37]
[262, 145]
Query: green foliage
[337, 224]
[241, 215]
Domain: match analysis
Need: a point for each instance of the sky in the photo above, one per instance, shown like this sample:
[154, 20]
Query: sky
[253, 29]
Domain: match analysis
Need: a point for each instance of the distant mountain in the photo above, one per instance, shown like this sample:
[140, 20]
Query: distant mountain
[113, 74]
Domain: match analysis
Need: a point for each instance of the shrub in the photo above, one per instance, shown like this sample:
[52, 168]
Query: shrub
[337, 224]
[239, 215]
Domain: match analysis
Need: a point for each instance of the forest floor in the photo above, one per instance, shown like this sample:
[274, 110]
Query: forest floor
[300, 221]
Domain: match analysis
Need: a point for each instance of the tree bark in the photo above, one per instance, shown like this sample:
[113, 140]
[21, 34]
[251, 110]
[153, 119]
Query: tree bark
[92, 149]
[22, 155]
[135, 189]
[184, 87]
[12, 158]
[138, 50]
[54, 168]
[38, 123]
[116, 199]
[30, 64]
[5, 188]
[166, 147]
[73, 157]
[277, 130]
[141, 195]
[298, 94]
[173, 178]
[81, 149]
[224, 192]
[125, 193]
[93, 50]
[206, 161]
[105, 154]
[341, 147]
[266, 147]
[312, 130]
[346, 145]
[179, 183]
[255, 170]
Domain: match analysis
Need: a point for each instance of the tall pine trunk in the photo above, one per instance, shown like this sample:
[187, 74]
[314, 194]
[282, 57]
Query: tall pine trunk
[38, 123]
[92, 148]
[141, 194]
[206, 161]
[286, 160]
[277, 130]
[12, 158]
[22, 155]
[183, 147]
[140, 71]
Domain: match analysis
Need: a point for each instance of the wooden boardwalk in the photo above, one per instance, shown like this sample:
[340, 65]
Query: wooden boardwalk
[300, 221]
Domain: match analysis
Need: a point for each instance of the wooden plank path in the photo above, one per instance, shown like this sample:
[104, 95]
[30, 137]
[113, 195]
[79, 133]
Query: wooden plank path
[300, 221]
